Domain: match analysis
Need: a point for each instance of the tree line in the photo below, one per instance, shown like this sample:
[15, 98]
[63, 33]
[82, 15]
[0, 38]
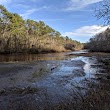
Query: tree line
[100, 42]
[18, 36]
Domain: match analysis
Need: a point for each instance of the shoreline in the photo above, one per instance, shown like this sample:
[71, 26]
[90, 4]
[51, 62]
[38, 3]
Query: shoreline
[90, 54]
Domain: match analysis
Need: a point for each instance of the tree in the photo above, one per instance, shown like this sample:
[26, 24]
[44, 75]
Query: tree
[104, 12]
[100, 42]
[18, 35]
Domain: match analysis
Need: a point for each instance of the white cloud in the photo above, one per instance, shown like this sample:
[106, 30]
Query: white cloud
[4, 2]
[28, 12]
[86, 31]
[51, 19]
[75, 5]
[23, 6]
[31, 11]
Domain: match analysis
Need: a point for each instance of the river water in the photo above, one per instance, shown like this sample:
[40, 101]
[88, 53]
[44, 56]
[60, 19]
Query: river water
[36, 57]
[44, 78]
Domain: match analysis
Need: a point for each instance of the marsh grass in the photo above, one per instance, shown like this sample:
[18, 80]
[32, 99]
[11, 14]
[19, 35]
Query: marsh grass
[38, 74]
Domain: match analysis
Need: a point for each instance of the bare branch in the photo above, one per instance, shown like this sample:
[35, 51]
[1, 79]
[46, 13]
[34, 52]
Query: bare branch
[103, 12]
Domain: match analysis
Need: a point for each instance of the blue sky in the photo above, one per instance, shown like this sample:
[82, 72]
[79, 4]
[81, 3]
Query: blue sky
[73, 18]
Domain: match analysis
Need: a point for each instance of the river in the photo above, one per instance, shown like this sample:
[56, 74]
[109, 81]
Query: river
[45, 79]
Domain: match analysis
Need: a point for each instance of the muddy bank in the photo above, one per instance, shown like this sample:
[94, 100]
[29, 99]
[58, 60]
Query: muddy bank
[90, 54]
[44, 80]
[54, 84]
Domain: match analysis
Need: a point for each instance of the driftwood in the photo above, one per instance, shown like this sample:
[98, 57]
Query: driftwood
[54, 67]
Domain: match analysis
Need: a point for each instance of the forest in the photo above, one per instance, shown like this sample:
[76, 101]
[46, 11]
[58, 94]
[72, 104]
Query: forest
[100, 42]
[28, 36]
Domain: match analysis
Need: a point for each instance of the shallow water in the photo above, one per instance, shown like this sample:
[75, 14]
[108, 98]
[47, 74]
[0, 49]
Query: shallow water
[36, 57]
[56, 76]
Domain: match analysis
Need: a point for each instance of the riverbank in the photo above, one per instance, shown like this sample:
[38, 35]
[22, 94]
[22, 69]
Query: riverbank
[90, 54]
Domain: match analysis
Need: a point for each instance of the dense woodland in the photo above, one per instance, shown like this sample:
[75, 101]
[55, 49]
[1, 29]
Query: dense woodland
[18, 35]
[100, 42]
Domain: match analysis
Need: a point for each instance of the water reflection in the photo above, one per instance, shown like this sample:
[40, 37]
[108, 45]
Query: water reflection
[33, 57]
[36, 57]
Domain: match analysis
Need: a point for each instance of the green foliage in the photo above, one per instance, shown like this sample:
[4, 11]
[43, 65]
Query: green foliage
[18, 35]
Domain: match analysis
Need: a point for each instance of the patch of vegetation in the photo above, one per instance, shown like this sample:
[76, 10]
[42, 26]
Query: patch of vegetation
[39, 73]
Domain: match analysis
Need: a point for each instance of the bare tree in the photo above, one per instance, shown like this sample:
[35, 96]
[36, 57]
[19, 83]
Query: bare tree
[104, 11]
